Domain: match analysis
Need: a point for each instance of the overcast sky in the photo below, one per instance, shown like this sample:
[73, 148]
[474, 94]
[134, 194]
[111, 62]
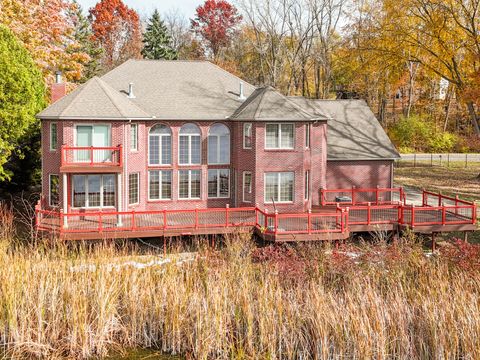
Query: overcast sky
[145, 7]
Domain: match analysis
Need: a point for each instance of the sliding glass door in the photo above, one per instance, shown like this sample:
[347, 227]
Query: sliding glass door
[95, 136]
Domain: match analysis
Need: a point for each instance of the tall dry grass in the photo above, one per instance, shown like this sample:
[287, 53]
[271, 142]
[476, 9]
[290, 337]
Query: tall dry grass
[240, 302]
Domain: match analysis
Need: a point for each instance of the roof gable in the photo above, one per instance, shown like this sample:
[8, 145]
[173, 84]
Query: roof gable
[266, 104]
[94, 100]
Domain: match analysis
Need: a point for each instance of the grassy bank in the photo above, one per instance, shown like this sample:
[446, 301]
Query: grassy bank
[368, 301]
[448, 180]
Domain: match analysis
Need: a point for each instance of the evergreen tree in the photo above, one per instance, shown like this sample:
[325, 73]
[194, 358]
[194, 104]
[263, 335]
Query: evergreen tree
[83, 35]
[22, 95]
[157, 41]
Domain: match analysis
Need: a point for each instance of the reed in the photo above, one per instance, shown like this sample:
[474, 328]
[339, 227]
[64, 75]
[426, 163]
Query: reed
[372, 301]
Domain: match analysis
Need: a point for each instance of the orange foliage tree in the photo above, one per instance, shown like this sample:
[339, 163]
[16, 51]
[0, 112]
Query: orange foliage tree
[116, 28]
[44, 29]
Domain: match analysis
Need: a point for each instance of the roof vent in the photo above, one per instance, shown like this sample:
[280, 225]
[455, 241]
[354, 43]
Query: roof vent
[241, 95]
[130, 91]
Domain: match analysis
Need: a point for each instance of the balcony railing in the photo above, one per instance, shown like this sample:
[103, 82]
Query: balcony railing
[91, 156]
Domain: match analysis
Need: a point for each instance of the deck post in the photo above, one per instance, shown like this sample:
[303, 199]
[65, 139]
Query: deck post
[465, 236]
[433, 242]
[322, 200]
[227, 220]
[353, 195]
[276, 222]
[256, 214]
[133, 220]
[376, 195]
[369, 214]
[266, 219]
[196, 217]
[100, 222]
[412, 220]
[119, 199]
[423, 197]
[309, 225]
[65, 199]
[164, 217]
[444, 217]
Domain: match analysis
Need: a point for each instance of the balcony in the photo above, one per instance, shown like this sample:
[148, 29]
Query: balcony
[91, 159]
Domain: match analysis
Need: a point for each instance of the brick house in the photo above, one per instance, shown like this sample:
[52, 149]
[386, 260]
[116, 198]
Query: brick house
[154, 135]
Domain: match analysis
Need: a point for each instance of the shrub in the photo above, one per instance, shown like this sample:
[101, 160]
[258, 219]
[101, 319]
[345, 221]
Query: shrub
[418, 133]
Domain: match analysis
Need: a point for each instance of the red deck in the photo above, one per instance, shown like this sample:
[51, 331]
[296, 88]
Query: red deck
[438, 213]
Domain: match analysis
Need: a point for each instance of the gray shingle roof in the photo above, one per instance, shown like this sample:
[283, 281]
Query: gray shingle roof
[354, 132]
[94, 100]
[266, 104]
[180, 90]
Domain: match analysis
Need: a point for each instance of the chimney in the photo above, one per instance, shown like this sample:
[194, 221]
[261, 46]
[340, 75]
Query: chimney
[58, 88]
[241, 95]
[130, 91]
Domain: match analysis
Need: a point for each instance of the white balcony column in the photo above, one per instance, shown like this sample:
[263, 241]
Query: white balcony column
[119, 198]
[65, 199]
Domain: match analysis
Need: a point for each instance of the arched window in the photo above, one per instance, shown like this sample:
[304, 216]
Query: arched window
[189, 145]
[219, 144]
[160, 145]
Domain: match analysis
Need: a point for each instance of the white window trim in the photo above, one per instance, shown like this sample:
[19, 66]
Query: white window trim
[189, 185]
[189, 149]
[280, 137]
[101, 194]
[160, 190]
[251, 136]
[160, 155]
[243, 185]
[51, 138]
[218, 185]
[138, 188]
[279, 187]
[134, 125]
[50, 190]
[218, 150]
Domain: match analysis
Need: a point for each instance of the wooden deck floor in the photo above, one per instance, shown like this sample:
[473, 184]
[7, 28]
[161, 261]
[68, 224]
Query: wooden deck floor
[84, 227]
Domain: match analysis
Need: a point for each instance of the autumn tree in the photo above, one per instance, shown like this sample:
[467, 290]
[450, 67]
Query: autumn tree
[157, 42]
[22, 95]
[82, 33]
[116, 28]
[45, 31]
[216, 22]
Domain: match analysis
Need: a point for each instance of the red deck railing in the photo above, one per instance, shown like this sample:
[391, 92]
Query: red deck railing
[360, 196]
[452, 211]
[91, 156]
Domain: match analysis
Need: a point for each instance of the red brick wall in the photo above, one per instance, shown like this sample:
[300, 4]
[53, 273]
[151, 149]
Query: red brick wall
[257, 160]
[362, 174]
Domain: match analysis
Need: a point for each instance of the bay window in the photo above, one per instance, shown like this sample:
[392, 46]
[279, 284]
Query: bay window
[279, 186]
[279, 136]
[189, 149]
[159, 184]
[93, 190]
[189, 184]
[218, 183]
[219, 144]
[160, 145]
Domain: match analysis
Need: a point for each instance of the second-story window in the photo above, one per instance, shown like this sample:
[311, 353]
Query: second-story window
[53, 136]
[279, 136]
[134, 137]
[160, 145]
[189, 152]
[219, 144]
[247, 135]
[307, 135]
